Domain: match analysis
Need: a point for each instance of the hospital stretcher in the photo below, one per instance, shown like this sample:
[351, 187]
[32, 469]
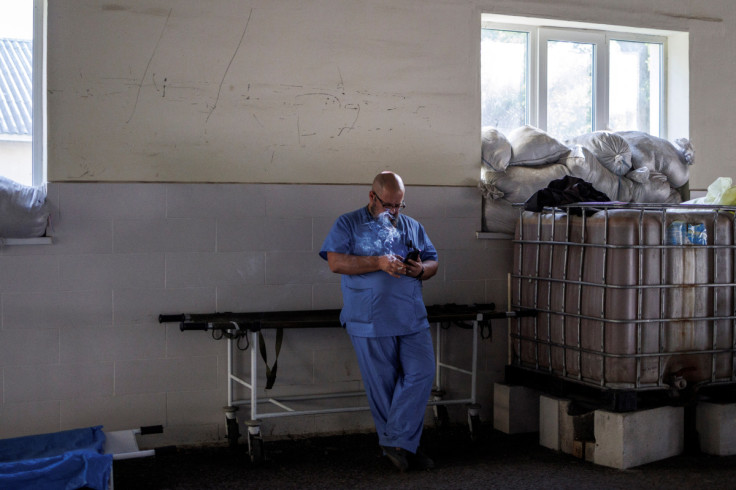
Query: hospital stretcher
[238, 328]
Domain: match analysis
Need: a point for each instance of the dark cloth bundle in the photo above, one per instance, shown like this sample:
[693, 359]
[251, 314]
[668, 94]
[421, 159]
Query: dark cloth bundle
[567, 190]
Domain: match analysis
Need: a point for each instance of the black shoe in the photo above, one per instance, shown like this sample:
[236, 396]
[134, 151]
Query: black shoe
[420, 460]
[397, 456]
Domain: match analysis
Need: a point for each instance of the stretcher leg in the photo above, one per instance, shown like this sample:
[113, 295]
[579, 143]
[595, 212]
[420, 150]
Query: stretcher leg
[441, 417]
[255, 441]
[231, 420]
[474, 420]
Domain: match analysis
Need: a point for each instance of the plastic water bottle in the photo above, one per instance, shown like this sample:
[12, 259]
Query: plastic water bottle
[677, 233]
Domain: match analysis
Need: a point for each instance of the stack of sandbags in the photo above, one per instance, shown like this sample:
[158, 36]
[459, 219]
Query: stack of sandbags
[627, 166]
[23, 210]
[528, 161]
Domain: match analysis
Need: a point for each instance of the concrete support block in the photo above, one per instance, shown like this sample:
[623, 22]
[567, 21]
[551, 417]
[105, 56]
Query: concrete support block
[515, 409]
[625, 440]
[716, 426]
[549, 421]
[567, 429]
[562, 431]
[589, 451]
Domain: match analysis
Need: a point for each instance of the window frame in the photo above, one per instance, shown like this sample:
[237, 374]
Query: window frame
[38, 81]
[600, 72]
[663, 69]
[538, 35]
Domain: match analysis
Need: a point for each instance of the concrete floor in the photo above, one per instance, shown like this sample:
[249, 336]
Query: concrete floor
[494, 460]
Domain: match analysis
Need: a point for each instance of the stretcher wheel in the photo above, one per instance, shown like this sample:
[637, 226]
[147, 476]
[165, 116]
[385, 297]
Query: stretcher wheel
[474, 426]
[441, 417]
[255, 449]
[233, 433]
[474, 421]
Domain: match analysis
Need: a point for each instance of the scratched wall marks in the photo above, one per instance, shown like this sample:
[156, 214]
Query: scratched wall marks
[260, 92]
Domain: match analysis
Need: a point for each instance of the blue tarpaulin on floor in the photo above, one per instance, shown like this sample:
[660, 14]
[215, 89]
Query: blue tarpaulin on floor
[61, 460]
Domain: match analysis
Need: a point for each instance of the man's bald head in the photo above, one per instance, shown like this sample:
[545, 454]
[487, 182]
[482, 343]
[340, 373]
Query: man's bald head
[387, 194]
[388, 181]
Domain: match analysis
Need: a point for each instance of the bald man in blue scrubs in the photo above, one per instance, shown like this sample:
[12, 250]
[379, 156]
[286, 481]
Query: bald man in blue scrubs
[384, 314]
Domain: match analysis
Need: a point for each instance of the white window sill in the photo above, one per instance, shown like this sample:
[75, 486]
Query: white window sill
[486, 235]
[43, 240]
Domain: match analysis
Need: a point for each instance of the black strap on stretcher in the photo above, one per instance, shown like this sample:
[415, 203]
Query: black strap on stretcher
[234, 326]
[241, 323]
[270, 371]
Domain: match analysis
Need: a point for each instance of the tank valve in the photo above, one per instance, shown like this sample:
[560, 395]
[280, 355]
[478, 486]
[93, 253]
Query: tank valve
[677, 382]
[677, 378]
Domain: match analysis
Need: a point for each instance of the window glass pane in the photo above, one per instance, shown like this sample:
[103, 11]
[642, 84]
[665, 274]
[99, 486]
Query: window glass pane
[504, 78]
[16, 55]
[569, 88]
[635, 86]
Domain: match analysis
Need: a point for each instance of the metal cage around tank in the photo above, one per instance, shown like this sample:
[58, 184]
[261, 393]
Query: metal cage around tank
[629, 297]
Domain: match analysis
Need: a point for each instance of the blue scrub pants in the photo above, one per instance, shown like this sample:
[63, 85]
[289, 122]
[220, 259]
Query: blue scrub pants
[398, 374]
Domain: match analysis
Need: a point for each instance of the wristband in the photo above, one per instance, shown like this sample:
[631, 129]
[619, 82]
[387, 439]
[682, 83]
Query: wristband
[419, 276]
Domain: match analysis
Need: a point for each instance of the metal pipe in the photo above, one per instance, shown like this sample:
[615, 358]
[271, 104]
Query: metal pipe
[254, 376]
[474, 371]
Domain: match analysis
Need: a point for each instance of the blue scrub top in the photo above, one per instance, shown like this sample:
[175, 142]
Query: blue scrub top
[376, 304]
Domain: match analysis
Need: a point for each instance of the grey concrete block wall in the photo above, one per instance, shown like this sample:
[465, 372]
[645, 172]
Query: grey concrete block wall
[80, 343]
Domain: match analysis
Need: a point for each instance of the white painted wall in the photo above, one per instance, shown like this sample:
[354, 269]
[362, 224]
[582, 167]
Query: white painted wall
[316, 92]
[288, 91]
[80, 342]
[319, 91]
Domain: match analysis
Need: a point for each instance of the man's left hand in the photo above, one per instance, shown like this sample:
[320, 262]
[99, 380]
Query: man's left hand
[413, 268]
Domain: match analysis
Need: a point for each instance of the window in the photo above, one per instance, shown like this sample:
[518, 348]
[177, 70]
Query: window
[22, 91]
[504, 92]
[635, 99]
[577, 79]
[570, 86]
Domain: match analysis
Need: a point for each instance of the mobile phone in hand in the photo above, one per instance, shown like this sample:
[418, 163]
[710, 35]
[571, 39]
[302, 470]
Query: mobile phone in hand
[413, 255]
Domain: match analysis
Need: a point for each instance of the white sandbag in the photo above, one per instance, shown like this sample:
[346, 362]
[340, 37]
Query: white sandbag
[531, 146]
[609, 148]
[640, 175]
[660, 155]
[517, 184]
[656, 189]
[686, 149]
[674, 197]
[500, 216]
[495, 149]
[23, 210]
[487, 184]
[583, 164]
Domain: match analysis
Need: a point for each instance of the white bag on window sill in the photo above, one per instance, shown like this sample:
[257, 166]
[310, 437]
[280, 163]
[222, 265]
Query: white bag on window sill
[23, 210]
[720, 191]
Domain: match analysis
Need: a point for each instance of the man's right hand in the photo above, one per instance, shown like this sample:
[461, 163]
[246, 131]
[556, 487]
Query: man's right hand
[392, 265]
[363, 264]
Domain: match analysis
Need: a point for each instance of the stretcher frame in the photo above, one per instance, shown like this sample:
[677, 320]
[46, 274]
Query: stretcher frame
[237, 325]
[122, 444]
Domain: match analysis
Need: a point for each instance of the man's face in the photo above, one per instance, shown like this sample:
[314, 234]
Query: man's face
[393, 202]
